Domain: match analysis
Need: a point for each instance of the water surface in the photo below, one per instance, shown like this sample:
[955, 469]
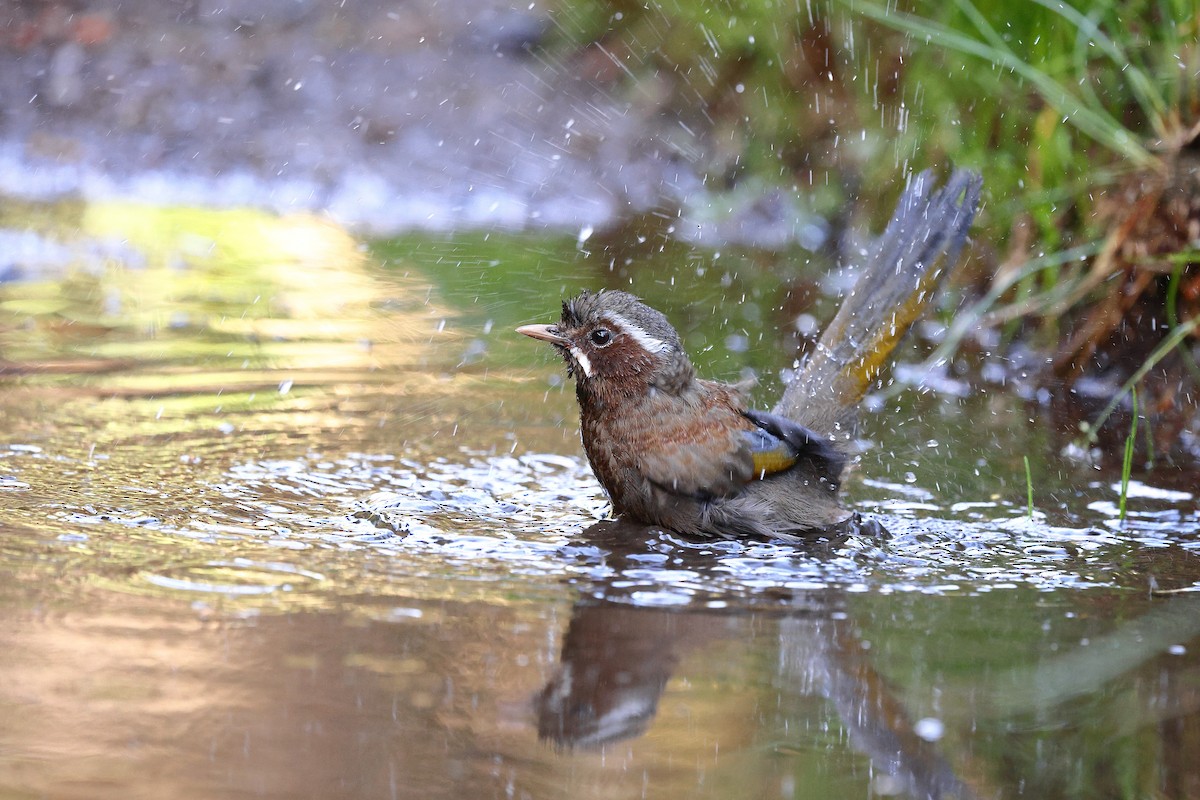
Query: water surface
[283, 514]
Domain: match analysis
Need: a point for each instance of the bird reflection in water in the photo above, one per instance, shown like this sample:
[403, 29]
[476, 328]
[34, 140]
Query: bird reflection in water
[617, 658]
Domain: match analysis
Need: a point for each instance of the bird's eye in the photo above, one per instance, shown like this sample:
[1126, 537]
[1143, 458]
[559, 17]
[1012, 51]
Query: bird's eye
[601, 337]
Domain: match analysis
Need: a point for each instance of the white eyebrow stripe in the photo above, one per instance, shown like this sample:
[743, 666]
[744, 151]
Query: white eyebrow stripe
[582, 360]
[647, 342]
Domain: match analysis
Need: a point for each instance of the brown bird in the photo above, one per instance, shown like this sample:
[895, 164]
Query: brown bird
[686, 454]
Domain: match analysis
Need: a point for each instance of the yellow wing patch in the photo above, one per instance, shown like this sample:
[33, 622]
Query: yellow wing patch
[769, 454]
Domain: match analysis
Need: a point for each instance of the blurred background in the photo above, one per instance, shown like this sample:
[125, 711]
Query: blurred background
[286, 510]
[743, 123]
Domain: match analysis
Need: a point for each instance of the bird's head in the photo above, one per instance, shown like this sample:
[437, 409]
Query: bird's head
[614, 343]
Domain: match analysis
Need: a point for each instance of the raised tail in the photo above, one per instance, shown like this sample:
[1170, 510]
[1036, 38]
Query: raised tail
[900, 275]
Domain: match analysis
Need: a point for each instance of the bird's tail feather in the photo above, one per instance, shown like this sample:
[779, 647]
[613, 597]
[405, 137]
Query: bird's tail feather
[900, 274]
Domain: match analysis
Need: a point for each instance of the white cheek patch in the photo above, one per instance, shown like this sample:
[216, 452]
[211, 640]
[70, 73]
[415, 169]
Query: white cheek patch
[582, 361]
[644, 340]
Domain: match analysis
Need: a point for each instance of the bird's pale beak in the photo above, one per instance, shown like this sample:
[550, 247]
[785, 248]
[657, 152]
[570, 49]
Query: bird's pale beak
[547, 333]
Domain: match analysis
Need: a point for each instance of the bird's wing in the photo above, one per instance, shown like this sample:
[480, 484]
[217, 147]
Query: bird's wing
[715, 453]
[768, 453]
[706, 459]
[778, 443]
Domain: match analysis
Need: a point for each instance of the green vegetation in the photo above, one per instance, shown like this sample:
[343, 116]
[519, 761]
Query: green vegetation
[1084, 117]
[1127, 462]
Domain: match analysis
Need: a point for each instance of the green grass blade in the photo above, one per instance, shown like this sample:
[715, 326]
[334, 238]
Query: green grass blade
[1093, 122]
[1028, 487]
[1127, 462]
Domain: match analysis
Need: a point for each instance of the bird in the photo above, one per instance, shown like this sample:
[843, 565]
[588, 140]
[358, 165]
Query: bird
[688, 455]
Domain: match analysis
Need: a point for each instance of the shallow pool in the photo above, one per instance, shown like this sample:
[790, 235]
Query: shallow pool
[283, 514]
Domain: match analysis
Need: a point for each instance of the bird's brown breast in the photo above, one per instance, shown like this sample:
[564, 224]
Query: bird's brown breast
[652, 451]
